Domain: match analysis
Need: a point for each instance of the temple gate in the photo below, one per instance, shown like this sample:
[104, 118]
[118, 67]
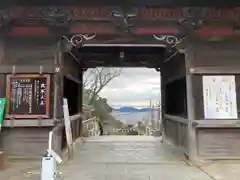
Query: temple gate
[44, 50]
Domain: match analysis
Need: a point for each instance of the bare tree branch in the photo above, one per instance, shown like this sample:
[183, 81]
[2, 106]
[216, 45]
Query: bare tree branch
[96, 79]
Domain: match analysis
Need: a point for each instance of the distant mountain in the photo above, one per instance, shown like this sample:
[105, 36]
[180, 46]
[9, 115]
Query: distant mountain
[144, 109]
[131, 109]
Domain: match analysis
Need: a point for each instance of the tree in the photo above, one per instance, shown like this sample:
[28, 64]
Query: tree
[94, 80]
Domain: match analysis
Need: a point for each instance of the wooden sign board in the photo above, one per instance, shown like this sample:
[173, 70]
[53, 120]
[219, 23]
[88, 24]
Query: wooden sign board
[28, 96]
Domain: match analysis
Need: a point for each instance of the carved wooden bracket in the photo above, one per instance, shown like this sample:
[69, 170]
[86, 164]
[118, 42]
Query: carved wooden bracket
[78, 40]
[193, 17]
[123, 21]
[5, 18]
[56, 17]
[169, 40]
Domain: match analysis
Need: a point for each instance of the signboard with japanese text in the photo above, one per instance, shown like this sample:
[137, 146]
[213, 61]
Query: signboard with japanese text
[28, 96]
[219, 97]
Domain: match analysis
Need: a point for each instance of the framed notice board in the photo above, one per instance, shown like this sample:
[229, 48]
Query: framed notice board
[28, 96]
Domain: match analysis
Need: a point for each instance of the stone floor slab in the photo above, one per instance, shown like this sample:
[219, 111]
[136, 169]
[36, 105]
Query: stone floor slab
[130, 158]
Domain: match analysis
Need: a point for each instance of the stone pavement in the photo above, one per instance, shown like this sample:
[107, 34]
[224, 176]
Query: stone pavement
[18, 169]
[131, 158]
[227, 170]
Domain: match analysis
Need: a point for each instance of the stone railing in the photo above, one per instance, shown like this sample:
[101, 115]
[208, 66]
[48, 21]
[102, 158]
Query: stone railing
[91, 127]
[152, 124]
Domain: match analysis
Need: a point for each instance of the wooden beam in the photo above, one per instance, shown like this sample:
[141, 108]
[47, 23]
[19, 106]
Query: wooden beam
[28, 122]
[90, 30]
[29, 31]
[157, 30]
[223, 123]
[28, 69]
[216, 31]
[215, 70]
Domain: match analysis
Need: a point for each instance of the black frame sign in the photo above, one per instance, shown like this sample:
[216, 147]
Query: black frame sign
[28, 96]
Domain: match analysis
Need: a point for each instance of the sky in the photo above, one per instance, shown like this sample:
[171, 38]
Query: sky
[134, 87]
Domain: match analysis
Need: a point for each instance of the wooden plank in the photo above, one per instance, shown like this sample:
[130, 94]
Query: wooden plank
[28, 123]
[223, 123]
[48, 69]
[176, 119]
[215, 70]
[221, 143]
[26, 142]
[2, 160]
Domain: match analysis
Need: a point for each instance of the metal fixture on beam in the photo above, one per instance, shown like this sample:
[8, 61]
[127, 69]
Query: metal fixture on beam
[75, 42]
[121, 55]
[192, 19]
[169, 40]
[78, 40]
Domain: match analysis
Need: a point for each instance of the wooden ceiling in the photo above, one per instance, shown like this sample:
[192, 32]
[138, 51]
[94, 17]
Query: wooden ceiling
[120, 56]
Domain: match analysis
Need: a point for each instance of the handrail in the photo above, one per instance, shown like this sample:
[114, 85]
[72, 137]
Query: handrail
[176, 131]
[90, 119]
[56, 138]
[176, 118]
[75, 117]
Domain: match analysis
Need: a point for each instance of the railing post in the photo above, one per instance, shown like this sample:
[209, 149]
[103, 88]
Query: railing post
[87, 129]
[92, 126]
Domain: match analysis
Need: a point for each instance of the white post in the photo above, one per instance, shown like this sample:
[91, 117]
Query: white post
[68, 129]
[49, 162]
[50, 140]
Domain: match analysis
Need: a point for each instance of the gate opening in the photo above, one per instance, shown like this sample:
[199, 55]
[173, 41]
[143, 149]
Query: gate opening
[126, 56]
[176, 98]
[71, 92]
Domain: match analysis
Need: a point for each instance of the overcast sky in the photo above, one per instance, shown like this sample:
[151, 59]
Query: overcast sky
[134, 87]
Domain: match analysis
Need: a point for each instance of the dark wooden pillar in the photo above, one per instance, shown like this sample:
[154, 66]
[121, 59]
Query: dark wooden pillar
[58, 83]
[80, 89]
[163, 98]
[162, 102]
[191, 115]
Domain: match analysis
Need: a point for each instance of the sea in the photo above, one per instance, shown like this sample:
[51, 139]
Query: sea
[134, 117]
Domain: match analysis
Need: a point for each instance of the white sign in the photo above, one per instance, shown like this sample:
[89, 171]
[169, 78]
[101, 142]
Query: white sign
[219, 96]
